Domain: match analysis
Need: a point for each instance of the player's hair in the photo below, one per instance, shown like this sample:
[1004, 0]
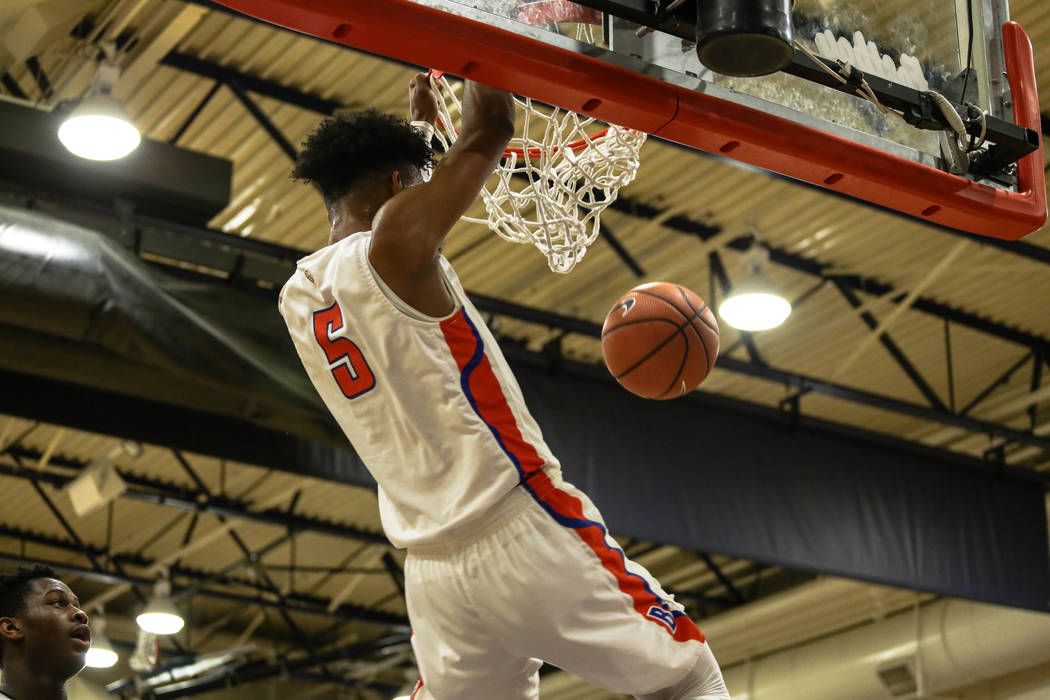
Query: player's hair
[350, 148]
[13, 591]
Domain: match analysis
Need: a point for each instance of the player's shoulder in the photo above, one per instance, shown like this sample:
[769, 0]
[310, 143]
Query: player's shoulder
[331, 260]
[356, 244]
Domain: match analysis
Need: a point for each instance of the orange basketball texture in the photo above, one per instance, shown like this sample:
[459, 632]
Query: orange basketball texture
[660, 340]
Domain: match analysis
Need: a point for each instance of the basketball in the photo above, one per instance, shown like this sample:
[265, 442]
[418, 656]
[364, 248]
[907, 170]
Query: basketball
[660, 340]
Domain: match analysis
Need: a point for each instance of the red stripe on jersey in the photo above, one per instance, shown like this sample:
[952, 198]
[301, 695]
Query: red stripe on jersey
[568, 511]
[485, 393]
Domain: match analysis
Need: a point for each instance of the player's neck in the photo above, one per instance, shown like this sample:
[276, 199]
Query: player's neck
[346, 222]
[340, 232]
[21, 683]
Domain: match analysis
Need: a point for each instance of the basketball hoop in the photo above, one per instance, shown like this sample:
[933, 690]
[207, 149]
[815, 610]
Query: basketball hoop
[555, 178]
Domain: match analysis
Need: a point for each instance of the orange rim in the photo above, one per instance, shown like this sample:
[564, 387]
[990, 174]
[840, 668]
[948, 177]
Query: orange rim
[574, 146]
[534, 153]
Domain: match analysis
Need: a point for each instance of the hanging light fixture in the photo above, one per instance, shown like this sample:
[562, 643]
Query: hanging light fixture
[161, 616]
[99, 129]
[101, 654]
[754, 304]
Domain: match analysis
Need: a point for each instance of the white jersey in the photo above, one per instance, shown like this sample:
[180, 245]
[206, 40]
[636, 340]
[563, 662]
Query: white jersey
[430, 404]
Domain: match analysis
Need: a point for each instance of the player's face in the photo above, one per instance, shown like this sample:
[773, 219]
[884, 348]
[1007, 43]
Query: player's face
[55, 629]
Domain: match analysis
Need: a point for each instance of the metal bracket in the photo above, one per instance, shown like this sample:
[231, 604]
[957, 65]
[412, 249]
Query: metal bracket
[957, 160]
[790, 409]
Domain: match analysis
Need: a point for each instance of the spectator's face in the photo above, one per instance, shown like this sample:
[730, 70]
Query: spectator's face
[54, 629]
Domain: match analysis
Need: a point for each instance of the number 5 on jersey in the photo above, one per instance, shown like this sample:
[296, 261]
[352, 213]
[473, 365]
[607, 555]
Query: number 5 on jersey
[348, 365]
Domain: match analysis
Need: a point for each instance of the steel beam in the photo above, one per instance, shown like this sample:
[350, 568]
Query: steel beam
[12, 86]
[63, 522]
[1029, 251]
[614, 243]
[221, 574]
[894, 350]
[260, 86]
[1001, 380]
[886, 403]
[43, 83]
[162, 493]
[251, 557]
[229, 11]
[174, 140]
[1037, 381]
[734, 593]
[345, 613]
[949, 368]
[263, 119]
[254, 671]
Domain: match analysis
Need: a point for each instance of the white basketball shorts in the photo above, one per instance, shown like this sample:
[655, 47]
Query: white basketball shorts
[538, 577]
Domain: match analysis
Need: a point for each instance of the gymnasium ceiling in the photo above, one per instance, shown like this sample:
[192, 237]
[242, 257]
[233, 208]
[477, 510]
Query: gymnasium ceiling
[339, 586]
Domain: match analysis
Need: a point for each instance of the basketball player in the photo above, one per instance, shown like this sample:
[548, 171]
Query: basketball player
[44, 635]
[507, 564]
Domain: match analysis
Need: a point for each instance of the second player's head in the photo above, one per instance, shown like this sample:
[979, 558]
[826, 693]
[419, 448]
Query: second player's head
[360, 160]
[43, 631]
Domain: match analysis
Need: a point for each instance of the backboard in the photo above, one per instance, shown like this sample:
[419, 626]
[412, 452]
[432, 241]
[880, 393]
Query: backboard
[634, 63]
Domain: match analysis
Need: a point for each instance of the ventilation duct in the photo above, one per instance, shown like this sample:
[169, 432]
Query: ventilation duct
[899, 677]
[960, 643]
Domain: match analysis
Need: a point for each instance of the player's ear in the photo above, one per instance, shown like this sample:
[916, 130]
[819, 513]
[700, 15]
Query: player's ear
[11, 628]
[396, 182]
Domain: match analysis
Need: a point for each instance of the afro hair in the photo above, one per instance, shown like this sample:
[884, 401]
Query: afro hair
[15, 587]
[347, 149]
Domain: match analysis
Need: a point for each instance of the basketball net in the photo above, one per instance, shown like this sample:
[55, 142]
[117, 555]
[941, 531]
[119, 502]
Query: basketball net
[554, 180]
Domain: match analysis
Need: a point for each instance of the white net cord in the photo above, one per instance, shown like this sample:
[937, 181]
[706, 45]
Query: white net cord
[555, 179]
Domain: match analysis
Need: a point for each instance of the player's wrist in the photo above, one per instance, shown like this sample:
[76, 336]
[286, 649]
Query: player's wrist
[424, 128]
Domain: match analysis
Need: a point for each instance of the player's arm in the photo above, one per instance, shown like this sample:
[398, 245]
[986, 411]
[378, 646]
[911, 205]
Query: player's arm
[408, 230]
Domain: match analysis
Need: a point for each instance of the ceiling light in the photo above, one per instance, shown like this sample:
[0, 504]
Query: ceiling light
[161, 616]
[99, 129]
[754, 303]
[101, 654]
